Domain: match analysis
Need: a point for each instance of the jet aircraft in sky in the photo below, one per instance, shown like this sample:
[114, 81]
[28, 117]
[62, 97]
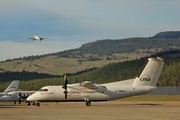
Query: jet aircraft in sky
[36, 37]
[87, 91]
[13, 86]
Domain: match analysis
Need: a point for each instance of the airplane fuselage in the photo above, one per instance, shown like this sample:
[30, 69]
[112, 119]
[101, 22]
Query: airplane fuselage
[35, 37]
[76, 92]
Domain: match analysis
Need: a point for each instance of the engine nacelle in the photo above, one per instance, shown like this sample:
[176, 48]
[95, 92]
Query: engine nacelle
[86, 87]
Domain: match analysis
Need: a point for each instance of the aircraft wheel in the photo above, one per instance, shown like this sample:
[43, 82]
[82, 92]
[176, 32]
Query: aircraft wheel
[34, 103]
[38, 104]
[88, 103]
[29, 104]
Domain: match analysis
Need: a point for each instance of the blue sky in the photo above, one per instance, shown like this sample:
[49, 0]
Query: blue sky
[70, 23]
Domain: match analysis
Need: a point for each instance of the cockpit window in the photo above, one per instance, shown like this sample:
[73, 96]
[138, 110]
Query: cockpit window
[43, 90]
[40, 90]
[103, 87]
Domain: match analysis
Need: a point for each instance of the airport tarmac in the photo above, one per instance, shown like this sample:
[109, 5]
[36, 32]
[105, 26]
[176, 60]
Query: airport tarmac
[111, 110]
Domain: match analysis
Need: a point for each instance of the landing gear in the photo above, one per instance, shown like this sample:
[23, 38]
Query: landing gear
[29, 104]
[88, 103]
[38, 104]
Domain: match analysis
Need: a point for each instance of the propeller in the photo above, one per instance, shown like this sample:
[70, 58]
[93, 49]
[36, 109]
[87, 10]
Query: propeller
[65, 86]
[20, 96]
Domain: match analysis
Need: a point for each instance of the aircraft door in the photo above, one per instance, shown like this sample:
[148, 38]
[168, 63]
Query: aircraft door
[57, 93]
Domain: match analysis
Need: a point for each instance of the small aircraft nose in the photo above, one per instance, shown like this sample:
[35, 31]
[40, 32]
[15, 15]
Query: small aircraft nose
[31, 98]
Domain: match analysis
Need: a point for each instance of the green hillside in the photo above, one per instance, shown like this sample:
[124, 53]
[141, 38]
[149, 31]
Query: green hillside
[55, 65]
[113, 72]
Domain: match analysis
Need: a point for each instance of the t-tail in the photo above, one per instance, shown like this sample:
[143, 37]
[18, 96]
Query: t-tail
[151, 72]
[13, 86]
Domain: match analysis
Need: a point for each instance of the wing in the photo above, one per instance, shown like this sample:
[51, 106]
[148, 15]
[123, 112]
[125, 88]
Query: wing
[90, 85]
[87, 84]
[31, 38]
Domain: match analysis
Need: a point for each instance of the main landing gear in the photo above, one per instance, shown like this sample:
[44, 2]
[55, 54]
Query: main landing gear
[38, 104]
[33, 104]
[88, 102]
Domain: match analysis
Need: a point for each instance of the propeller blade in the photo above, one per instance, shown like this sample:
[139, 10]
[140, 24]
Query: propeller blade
[19, 100]
[20, 96]
[65, 86]
[66, 81]
[65, 92]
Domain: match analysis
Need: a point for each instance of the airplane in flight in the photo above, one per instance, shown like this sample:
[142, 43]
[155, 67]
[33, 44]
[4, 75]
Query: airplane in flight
[16, 96]
[87, 91]
[13, 86]
[36, 37]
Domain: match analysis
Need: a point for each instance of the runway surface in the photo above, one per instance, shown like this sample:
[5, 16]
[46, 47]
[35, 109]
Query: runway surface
[112, 110]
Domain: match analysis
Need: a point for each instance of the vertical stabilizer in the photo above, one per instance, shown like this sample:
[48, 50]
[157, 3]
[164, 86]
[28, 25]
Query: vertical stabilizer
[150, 74]
[13, 86]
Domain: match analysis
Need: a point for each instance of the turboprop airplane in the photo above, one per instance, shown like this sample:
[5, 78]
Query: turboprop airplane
[13, 86]
[16, 96]
[36, 37]
[86, 91]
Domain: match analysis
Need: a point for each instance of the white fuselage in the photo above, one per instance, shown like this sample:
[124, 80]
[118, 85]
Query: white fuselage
[111, 91]
[36, 37]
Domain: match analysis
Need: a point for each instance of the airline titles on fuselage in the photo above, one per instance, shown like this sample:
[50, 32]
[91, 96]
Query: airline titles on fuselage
[145, 79]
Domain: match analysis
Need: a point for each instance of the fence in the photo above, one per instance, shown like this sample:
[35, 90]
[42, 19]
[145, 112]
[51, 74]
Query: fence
[166, 90]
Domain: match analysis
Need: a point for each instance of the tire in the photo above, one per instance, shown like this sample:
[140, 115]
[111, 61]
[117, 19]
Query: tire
[88, 103]
[38, 104]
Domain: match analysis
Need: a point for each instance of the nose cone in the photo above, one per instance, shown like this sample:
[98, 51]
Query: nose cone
[31, 98]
